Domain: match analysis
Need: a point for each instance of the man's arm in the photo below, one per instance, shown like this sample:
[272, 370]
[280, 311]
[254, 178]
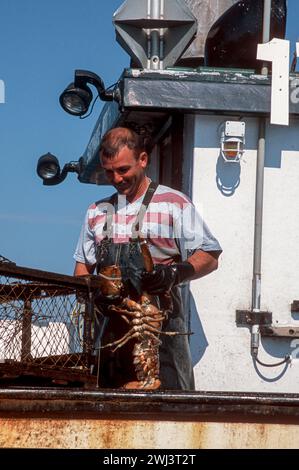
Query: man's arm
[82, 269]
[204, 262]
[164, 277]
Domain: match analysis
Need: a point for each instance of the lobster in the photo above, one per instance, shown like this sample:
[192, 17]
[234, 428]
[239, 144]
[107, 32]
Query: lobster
[144, 319]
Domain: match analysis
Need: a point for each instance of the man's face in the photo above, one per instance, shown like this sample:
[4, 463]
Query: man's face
[124, 171]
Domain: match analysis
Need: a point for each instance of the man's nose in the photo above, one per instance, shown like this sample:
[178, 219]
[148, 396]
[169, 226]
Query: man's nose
[117, 179]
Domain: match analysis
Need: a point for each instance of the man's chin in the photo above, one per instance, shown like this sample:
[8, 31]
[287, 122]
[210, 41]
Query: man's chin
[126, 191]
[123, 191]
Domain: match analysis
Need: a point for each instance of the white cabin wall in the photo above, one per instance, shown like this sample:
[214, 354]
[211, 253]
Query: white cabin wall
[220, 350]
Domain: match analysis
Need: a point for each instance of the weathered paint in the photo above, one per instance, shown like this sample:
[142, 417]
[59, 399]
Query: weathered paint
[142, 434]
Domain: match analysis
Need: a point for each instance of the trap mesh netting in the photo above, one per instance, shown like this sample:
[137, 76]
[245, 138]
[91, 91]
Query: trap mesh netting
[44, 329]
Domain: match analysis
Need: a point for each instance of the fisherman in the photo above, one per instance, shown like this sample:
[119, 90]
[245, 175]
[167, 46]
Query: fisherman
[181, 245]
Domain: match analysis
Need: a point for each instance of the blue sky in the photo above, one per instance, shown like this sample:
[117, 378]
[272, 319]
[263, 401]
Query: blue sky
[41, 44]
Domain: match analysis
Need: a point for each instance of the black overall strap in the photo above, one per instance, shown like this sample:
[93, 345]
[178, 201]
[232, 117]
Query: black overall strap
[107, 229]
[136, 227]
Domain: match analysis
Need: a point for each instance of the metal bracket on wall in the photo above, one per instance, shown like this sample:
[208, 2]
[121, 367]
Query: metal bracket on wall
[280, 331]
[249, 318]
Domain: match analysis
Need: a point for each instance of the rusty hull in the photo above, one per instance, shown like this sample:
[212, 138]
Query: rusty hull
[95, 419]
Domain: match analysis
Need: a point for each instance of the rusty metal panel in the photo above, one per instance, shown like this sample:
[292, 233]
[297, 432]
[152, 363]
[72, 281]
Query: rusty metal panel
[91, 433]
[81, 419]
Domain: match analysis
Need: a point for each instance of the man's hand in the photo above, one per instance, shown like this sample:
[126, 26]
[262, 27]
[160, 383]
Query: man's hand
[160, 280]
[164, 277]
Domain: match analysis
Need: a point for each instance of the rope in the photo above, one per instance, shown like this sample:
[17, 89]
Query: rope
[108, 278]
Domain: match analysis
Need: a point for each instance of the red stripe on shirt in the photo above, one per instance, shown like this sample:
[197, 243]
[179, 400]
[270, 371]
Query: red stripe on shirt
[160, 242]
[149, 217]
[122, 219]
[159, 218]
[121, 239]
[98, 219]
[162, 260]
[171, 198]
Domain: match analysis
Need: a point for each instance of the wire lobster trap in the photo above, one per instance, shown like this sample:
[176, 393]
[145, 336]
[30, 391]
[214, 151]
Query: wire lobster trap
[46, 326]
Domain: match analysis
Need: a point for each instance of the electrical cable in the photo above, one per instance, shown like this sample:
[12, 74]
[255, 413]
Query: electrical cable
[286, 360]
[113, 85]
[97, 97]
[91, 109]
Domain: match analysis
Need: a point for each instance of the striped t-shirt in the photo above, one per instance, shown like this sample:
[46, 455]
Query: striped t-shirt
[172, 226]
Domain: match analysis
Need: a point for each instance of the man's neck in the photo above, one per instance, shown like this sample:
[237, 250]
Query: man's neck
[141, 189]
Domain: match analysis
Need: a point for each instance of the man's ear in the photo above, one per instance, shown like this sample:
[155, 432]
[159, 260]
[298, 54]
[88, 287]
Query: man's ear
[143, 157]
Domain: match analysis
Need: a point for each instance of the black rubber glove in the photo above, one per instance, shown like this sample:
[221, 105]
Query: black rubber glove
[164, 277]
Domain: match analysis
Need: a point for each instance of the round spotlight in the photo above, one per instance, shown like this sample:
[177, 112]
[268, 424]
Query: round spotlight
[76, 100]
[48, 167]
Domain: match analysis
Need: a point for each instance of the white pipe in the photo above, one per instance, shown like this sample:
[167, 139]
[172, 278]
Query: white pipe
[259, 200]
[155, 36]
[266, 29]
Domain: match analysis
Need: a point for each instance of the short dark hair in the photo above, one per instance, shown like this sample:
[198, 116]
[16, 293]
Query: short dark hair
[117, 138]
